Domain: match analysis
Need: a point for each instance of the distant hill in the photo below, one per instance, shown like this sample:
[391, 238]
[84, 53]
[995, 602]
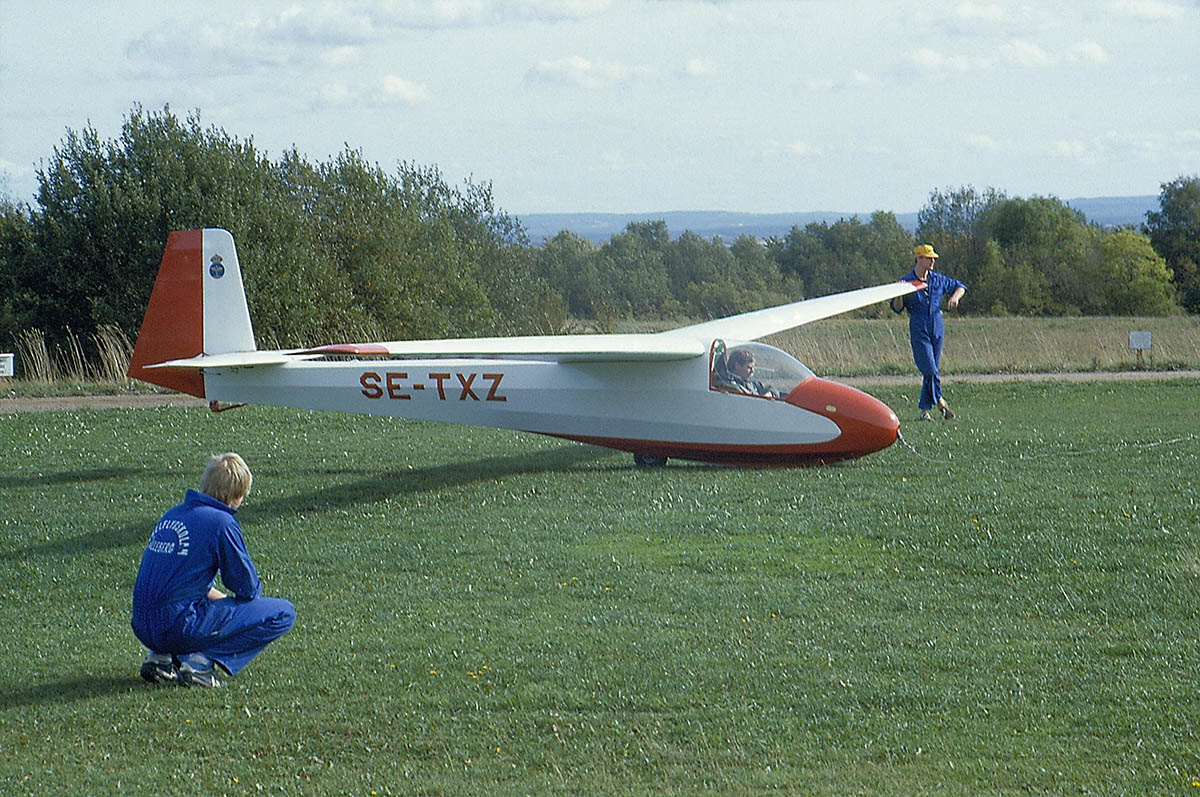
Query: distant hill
[599, 227]
[1116, 211]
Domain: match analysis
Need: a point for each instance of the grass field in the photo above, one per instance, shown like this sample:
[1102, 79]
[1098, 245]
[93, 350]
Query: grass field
[1012, 607]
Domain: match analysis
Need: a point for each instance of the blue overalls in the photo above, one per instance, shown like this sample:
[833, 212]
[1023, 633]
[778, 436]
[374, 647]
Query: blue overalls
[172, 613]
[927, 331]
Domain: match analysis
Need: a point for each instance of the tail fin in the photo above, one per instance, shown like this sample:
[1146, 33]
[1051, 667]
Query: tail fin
[198, 306]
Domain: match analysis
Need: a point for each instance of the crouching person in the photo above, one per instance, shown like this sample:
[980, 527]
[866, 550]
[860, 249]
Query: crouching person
[187, 623]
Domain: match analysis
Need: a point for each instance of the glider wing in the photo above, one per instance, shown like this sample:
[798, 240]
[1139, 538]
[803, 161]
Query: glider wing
[676, 344]
[553, 348]
[760, 323]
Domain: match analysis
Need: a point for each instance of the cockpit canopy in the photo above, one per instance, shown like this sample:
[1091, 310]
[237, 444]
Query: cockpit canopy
[775, 373]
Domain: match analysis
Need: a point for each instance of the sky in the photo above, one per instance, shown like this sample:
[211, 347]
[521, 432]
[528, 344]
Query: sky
[629, 106]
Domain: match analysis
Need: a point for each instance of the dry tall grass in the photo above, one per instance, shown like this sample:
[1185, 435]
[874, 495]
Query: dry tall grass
[69, 363]
[33, 356]
[995, 345]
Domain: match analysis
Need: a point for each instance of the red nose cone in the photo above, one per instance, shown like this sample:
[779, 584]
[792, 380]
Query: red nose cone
[867, 423]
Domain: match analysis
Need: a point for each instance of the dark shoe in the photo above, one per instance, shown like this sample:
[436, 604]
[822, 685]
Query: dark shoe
[192, 676]
[947, 413]
[924, 416]
[159, 668]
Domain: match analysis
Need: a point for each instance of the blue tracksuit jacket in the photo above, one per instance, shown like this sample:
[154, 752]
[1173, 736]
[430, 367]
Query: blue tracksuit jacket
[171, 609]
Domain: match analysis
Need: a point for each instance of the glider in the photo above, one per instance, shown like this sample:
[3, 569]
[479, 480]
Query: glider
[655, 395]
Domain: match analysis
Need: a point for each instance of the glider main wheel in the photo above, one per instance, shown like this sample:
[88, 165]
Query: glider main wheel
[647, 461]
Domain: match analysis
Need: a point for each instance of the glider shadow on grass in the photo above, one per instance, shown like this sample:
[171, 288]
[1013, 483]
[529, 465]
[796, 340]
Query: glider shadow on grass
[432, 479]
[83, 687]
[332, 496]
[11, 482]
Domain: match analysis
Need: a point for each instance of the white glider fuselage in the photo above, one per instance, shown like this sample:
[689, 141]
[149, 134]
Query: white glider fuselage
[657, 395]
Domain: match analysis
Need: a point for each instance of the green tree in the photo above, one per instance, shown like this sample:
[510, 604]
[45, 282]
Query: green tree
[1049, 251]
[635, 262]
[845, 255]
[567, 264]
[418, 258]
[950, 221]
[105, 208]
[1174, 232]
[16, 246]
[1132, 278]
[332, 251]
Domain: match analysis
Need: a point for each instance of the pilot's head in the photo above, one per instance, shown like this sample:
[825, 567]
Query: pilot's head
[741, 363]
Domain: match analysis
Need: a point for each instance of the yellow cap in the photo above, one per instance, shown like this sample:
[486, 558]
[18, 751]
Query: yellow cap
[925, 250]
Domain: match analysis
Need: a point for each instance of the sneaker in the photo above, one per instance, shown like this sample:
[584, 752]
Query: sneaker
[193, 676]
[159, 668]
[947, 413]
[924, 416]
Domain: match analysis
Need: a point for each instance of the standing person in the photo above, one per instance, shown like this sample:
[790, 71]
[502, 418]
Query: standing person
[187, 623]
[926, 329]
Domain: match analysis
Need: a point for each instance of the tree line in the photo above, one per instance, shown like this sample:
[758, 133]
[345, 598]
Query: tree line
[343, 250]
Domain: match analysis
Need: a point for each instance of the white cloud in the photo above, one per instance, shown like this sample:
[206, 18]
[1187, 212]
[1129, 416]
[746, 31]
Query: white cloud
[398, 90]
[803, 149]
[981, 12]
[1131, 146]
[986, 143]
[933, 61]
[205, 49]
[798, 148]
[698, 67]
[336, 94]
[1025, 54]
[579, 71]
[1151, 10]
[340, 56]
[475, 13]
[856, 80]
[390, 90]
[1074, 149]
[321, 24]
[1092, 52]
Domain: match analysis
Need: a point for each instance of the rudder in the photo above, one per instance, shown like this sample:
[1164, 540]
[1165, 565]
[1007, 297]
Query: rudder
[197, 306]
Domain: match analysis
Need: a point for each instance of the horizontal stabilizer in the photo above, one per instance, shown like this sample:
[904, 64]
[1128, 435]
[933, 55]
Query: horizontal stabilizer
[237, 359]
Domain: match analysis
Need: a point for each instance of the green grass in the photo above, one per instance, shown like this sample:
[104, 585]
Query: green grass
[1011, 608]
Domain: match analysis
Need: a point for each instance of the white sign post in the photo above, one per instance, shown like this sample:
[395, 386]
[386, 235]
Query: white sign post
[6, 365]
[1139, 341]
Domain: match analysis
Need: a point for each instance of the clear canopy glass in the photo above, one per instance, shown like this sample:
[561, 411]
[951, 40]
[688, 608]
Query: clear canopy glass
[775, 372]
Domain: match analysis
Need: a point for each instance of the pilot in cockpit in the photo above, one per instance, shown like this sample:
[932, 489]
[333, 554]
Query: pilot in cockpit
[740, 367]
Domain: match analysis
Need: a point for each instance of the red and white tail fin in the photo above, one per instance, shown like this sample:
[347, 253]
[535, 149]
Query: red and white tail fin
[197, 307]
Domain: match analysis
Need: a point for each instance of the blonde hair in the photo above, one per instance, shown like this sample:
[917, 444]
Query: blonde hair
[226, 478]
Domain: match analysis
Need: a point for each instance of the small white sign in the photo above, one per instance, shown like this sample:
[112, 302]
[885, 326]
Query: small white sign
[6, 365]
[1139, 340]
